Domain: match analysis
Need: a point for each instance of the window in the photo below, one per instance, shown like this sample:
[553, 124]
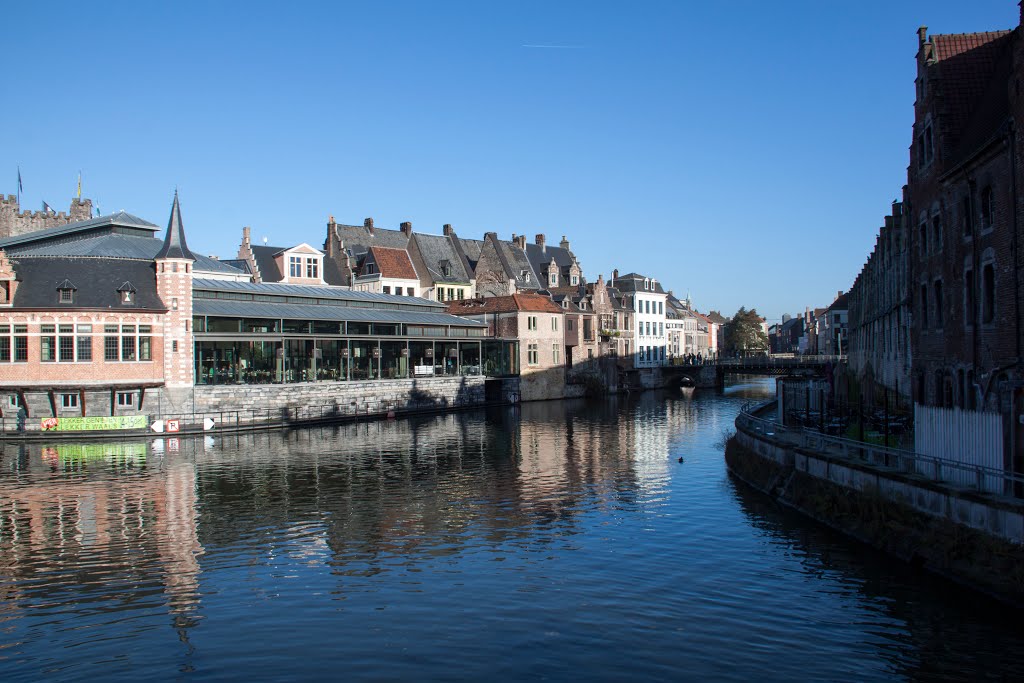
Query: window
[440, 293]
[66, 343]
[661, 329]
[127, 343]
[531, 322]
[988, 293]
[648, 328]
[66, 296]
[640, 331]
[47, 343]
[924, 238]
[936, 233]
[924, 306]
[970, 312]
[965, 215]
[575, 279]
[84, 343]
[69, 401]
[125, 399]
[13, 347]
[459, 293]
[386, 289]
[647, 283]
[451, 293]
[556, 354]
[174, 346]
[294, 266]
[313, 268]
[370, 269]
[531, 354]
[398, 291]
[553, 278]
[938, 303]
[554, 324]
[647, 306]
[987, 208]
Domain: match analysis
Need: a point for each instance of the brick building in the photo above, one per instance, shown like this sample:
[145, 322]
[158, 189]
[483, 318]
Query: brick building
[962, 220]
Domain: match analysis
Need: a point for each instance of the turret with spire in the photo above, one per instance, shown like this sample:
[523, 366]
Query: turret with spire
[174, 287]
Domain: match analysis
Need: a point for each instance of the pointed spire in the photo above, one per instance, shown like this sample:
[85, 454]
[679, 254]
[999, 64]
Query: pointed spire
[174, 241]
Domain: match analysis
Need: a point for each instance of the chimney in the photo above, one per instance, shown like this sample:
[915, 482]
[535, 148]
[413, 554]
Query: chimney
[539, 239]
[839, 294]
[615, 276]
[406, 228]
[922, 36]
[368, 224]
[448, 230]
[246, 235]
[521, 242]
[564, 244]
[600, 279]
[490, 235]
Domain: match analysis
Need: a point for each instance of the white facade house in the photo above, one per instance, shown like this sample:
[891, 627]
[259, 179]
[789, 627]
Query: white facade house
[648, 303]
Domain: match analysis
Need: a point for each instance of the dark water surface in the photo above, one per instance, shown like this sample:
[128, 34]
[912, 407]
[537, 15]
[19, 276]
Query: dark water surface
[559, 540]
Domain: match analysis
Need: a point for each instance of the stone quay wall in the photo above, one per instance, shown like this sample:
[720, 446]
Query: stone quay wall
[972, 538]
[255, 402]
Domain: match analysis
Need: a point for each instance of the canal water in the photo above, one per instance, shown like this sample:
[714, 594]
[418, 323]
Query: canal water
[559, 540]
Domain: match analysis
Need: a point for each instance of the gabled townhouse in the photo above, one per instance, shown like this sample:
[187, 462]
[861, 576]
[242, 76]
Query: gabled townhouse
[387, 271]
[300, 264]
[556, 267]
[833, 337]
[503, 268]
[537, 323]
[443, 268]
[648, 303]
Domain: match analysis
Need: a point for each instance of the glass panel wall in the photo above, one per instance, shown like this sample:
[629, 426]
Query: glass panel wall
[446, 359]
[421, 358]
[469, 358]
[393, 363]
[364, 365]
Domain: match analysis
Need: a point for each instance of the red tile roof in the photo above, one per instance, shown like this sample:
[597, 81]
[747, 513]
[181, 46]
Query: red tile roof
[952, 44]
[536, 303]
[394, 263]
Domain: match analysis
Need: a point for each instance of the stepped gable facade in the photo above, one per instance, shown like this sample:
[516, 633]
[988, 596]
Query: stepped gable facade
[962, 222]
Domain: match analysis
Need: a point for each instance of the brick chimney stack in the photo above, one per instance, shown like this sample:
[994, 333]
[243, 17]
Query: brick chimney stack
[406, 227]
[564, 244]
[448, 230]
[540, 243]
[521, 242]
[368, 224]
[246, 235]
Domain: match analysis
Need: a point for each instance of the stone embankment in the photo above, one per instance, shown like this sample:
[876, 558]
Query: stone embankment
[971, 537]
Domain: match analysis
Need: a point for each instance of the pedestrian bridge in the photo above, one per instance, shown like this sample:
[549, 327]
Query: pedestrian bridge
[704, 374]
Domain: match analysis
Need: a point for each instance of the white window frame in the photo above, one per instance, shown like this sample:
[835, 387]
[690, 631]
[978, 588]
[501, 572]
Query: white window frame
[126, 399]
[69, 402]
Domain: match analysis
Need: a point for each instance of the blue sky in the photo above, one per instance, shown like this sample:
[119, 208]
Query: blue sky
[743, 151]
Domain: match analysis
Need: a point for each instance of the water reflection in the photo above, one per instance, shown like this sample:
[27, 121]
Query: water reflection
[547, 540]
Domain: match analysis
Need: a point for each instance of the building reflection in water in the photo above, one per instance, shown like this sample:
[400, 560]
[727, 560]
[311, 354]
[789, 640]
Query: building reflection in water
[98, 521]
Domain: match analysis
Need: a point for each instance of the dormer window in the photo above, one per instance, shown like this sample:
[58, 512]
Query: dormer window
[313, 269]
[127, 291]
[370, 269]
[66, 292]
[525, 275]
[294, 266]
[575, 279]
[446, 268]
[554, 278]
[647, 283]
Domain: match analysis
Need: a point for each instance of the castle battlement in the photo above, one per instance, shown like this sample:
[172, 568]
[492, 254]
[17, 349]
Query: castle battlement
[14, 221]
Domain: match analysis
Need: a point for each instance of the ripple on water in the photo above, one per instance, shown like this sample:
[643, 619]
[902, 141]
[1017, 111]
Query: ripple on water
[556, 540]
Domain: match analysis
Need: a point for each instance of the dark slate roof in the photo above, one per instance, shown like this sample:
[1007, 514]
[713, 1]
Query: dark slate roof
[122, 247]
[318, 292]
[357, 238]
[437, 250]
[472, 249]
[260, 309]
[97, 279]
[236, 263]
[174, 240]
[333, 274]
[634, 282]
[540, 257]
[516, 265]
[120, 221]
[269, 272]
[717, 318]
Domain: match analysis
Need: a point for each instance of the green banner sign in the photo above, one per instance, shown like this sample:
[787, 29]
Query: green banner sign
[79, 424]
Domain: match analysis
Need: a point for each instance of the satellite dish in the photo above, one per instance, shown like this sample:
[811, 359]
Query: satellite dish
[264, 241]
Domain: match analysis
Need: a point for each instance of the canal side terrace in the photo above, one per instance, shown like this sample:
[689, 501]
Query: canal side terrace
[100, 319]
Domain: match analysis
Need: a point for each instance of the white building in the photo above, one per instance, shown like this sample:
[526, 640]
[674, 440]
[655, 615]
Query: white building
[648, 302]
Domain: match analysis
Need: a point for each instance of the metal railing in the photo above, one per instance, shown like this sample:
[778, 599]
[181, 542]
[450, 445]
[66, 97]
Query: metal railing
[782, 361]
[950, 472]
[251, 419]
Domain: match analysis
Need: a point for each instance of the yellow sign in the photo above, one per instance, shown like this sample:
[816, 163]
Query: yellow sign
[80, 424]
